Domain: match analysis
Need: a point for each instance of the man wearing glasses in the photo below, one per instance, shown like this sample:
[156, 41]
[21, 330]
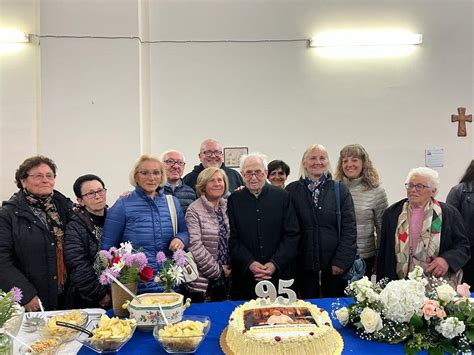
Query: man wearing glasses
[210, 154]
[264, 232]
[174, 166]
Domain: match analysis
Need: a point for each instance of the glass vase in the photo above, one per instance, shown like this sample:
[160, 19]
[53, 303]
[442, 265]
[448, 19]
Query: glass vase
[6, 343]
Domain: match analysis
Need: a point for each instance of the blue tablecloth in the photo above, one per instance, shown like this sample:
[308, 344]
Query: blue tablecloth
[219, 312]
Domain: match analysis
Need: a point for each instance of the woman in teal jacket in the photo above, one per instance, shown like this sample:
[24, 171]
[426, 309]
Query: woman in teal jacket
[143, 218]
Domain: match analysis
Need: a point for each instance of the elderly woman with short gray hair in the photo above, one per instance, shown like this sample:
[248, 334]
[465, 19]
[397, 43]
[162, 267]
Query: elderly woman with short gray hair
[420, 230]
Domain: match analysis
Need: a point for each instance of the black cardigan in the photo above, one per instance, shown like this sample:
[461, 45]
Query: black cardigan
[454, 244]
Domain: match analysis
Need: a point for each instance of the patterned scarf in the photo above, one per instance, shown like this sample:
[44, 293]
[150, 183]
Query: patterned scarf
[223, 246]
[55, 226]
[315, 187]
[428, 243]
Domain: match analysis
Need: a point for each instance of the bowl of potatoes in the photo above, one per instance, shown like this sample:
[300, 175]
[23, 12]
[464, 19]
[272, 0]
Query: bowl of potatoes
[184, 336]
[50, 329]
[109, 334]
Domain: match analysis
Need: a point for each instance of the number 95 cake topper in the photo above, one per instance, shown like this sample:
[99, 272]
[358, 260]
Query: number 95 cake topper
[268, 294]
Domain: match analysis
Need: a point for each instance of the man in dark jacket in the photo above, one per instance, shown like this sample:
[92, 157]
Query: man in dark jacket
[264, 231]
[82, 242]
[211, 154]
[174, 163]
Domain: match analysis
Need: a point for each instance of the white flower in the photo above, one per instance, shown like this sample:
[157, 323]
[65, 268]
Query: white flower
[364, 289]
[117, 267]
[416, 274]
[126, 248]
[451, 327]
[371, 320]
[342, 315]
[176, 273]
[402, 298]
[445, 293]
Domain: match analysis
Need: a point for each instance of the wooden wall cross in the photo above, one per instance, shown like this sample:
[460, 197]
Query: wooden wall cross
[461, 118]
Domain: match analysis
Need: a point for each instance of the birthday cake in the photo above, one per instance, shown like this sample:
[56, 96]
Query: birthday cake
[263, 327]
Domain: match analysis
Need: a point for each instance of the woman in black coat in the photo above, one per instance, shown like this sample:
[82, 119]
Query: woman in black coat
[32, 227]
[82, 241]
[461, 196]
[323, 247]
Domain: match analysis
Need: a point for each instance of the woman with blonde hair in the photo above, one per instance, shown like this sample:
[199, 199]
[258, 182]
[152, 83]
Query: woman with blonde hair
[328, 244]
[356, 171]
[208, 227]
[143, 217]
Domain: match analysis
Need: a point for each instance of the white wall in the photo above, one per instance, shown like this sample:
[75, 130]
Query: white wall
[103, 101]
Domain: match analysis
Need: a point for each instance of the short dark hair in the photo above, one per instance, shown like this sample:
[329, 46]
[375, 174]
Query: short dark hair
[276, 164]
[469, 174]
[30, 163]
[81, 180]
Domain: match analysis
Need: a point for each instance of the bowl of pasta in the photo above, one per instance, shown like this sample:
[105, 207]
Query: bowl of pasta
[182, 337]
[109, 335]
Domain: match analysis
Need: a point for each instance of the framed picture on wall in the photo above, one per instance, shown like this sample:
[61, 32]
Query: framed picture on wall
[232, 156]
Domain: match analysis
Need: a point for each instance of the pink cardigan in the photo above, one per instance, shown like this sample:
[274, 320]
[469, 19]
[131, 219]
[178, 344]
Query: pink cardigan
[203, 229]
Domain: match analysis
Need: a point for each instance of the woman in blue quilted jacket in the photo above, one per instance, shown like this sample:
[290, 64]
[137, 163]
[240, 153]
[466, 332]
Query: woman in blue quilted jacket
[143, 217]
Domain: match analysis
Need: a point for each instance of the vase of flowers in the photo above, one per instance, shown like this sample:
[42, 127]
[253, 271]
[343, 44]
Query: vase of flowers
[8, 308]
[171, 274]
[127, 265]
[424, 312]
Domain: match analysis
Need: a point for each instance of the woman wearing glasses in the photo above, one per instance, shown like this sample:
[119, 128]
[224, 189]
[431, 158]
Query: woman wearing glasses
[420, 230]
[143, 217]
[82, 241]
[32, 225]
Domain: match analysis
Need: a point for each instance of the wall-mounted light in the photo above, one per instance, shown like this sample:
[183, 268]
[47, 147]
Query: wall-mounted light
[381, 37]
[13, 36]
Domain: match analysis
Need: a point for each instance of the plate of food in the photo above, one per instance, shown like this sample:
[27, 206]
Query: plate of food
[51, 329]
[109, 335]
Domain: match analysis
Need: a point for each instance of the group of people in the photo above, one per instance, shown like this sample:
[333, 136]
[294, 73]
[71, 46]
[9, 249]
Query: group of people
[241, 228]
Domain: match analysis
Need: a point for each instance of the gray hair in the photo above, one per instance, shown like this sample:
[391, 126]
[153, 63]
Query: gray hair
[430, 174]
[307, 152]
[206, 142]
[262, 157]
[165, 154]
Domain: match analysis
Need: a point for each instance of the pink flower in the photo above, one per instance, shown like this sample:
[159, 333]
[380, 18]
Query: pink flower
[106, 254]
[128, 259]
[440, 313]
[429, 308]
[178, 257]
[463, 290]
[17, 294]
[140, 261]
[160, 257]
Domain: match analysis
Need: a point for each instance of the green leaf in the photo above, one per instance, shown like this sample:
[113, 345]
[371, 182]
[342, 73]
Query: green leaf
[416, 321]
[435, 351]
[470, 334]
[409, 350]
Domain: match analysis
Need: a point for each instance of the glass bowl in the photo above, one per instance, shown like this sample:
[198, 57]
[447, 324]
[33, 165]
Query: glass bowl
[182, 343]
[51, 346]
[49, 328]
[13, 325]
[103, 345]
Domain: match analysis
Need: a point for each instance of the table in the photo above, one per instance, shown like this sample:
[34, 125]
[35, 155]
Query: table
[219, 312]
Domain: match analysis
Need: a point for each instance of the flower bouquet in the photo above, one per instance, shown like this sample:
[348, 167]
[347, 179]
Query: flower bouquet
[126, 265]
[9, 309]
[425, 313]
[171, 272]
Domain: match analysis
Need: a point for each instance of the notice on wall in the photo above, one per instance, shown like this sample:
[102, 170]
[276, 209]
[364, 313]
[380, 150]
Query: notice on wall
[434, 157]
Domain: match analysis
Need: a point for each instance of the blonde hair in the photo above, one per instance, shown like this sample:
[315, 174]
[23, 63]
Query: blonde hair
[206, 175]
[307, 152]
[143, 158]
[370, 176]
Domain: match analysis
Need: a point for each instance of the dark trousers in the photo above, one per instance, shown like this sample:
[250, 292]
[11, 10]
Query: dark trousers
[369, 266]
[310, 285]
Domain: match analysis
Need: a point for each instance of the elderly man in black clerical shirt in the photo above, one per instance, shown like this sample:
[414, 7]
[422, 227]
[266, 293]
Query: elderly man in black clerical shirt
[264, 231]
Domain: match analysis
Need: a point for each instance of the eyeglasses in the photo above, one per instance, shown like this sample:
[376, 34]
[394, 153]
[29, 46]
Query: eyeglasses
[257, 173]
[150, 173]
[418, 187]
[39, 177]
[92, 194]
[172, 162]
[208, 153]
